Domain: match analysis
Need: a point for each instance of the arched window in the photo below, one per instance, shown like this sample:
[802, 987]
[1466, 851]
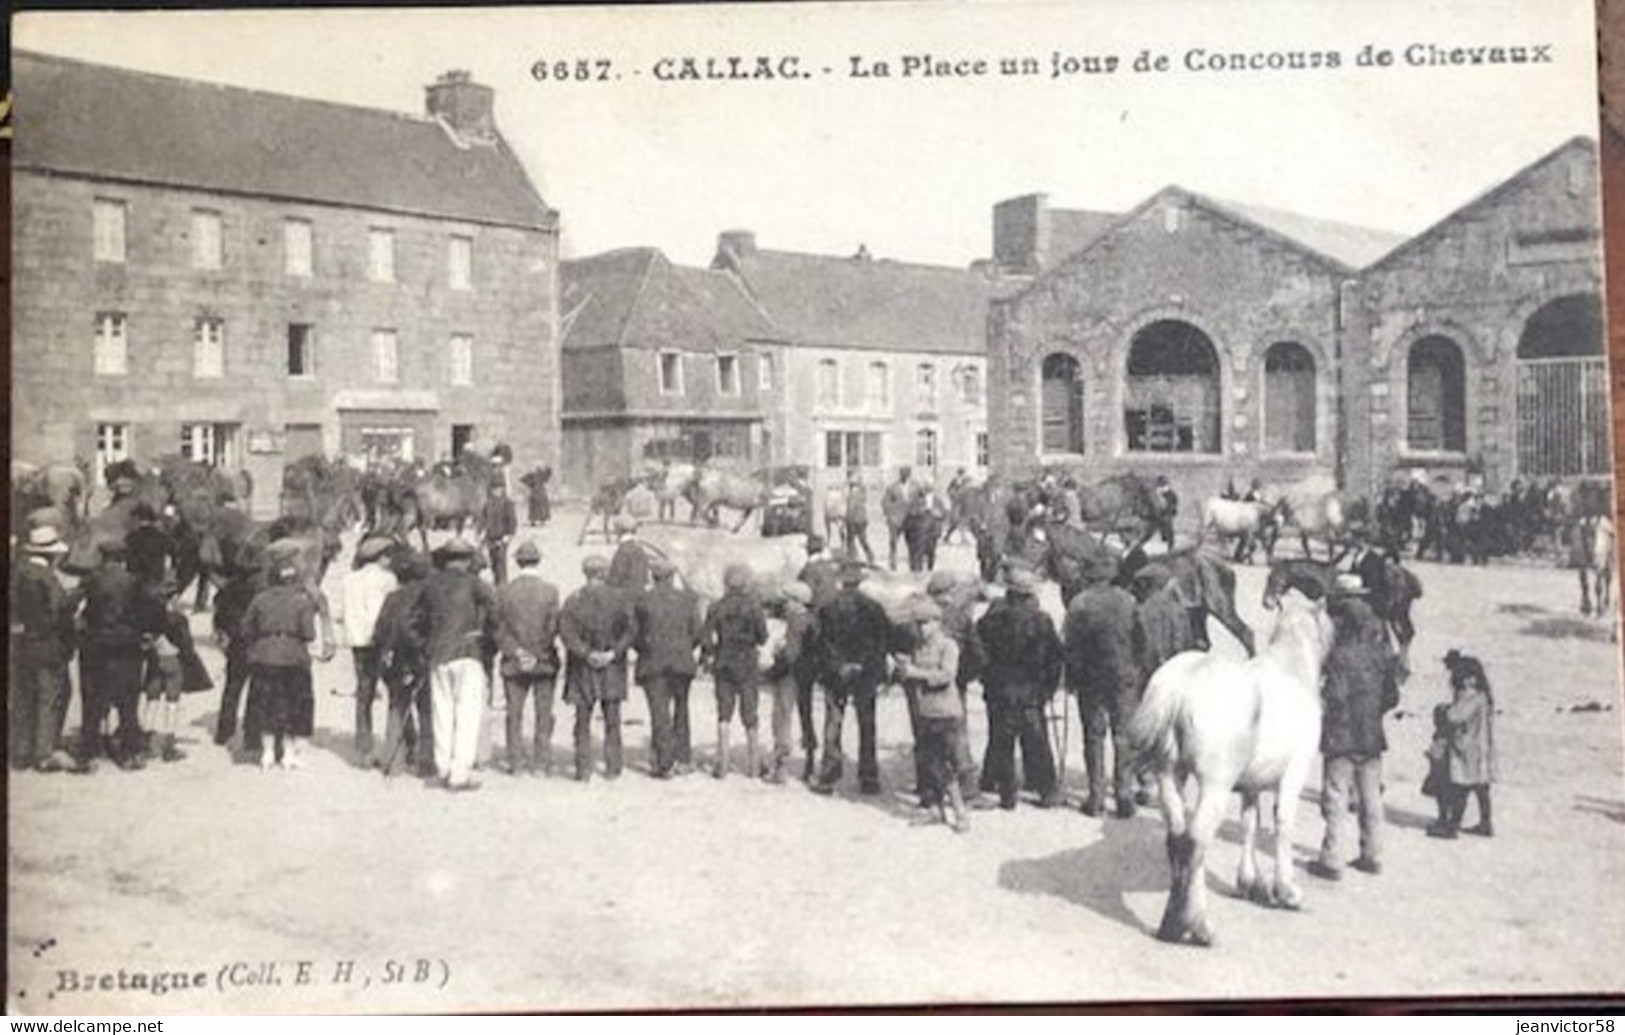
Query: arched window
[1171, 398]
[1289, 399]
[1563, 390]
[1061, 400]
[1436, 396]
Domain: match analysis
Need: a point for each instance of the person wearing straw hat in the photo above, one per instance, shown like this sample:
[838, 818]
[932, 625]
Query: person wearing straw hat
[527, 631]
[596, 628]
[42, 645]
[1024, 660]
[361, 596]
[667, 627]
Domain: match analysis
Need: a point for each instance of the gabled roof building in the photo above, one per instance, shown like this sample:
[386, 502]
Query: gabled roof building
[245, 277]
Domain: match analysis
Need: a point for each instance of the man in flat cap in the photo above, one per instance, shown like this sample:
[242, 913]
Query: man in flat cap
[1024, 660]
[361, 596]
[456, 617]
[596, 628]
[1101, 670]
[527, 634]
[667, 628]
[854, 637]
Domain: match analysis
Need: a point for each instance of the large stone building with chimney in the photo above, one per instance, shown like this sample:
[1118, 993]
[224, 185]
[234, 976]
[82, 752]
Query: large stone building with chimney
[244, 278]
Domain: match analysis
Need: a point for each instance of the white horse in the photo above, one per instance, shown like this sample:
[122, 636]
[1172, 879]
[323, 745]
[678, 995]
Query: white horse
[1249, 726]
[1593, 557]
[1250, 522]
[1323, 517]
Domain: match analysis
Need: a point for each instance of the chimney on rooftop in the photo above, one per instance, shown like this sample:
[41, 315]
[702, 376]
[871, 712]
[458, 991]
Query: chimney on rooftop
[734, 246]
[463, 105]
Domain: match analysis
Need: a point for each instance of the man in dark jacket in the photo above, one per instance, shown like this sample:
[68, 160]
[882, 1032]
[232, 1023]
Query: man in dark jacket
[456, 617]
[596, 629]
[629, 568]
[527, 628]
[1024, 659]
[500, 523]
[1101, 670]
[245, 579]
[1360, 687]
[410, 727]
[42, 644]
[118, 616]
[735, 629]
[1162, 624]
[854, 637]
[666, 633]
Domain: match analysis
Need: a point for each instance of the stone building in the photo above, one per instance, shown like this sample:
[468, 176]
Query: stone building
[1477, 345]
[244, 278]
[663, 362]
[885, 362]
[1208, 341]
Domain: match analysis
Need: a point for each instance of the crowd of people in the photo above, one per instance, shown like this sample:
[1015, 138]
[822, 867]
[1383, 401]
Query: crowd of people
[436, 637]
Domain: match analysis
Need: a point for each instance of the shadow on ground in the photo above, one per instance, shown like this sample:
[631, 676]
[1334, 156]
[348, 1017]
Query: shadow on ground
[1127, 858]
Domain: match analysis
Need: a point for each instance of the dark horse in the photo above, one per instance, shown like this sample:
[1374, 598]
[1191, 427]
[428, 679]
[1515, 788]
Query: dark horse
[1393, 588]
[1206, 584]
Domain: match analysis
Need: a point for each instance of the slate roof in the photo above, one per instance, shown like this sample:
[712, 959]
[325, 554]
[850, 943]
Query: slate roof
[1353, 246]
[636, 297]
[1074, 229]
[822, 300]
[109, 123]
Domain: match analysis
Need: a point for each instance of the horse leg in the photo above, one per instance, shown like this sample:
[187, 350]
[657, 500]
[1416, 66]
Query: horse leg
[744, 517]
[1286, 892]
[1212, 797]
[1585, 590]
[1248, 885]
[1178, 842]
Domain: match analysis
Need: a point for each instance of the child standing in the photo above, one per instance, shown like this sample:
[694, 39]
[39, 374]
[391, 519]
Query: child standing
[928, 673]
[279, 628]
[735, 628]
[173, 668]
[1464, 748]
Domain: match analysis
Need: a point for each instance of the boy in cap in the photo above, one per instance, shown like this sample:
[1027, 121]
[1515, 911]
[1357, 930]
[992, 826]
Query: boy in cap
[596, 628]
[456, 616]
[958, 622]
[361, 596]
[42, 644]
[928, 673]
[735, 628]
[667, 629]
[173, 668]
[527, 628]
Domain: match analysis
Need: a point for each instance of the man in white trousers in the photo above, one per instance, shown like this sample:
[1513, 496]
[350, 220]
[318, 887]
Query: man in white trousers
[457, 620]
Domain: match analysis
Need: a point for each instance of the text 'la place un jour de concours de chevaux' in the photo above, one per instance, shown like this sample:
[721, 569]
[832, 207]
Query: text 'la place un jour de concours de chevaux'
[1058, 64]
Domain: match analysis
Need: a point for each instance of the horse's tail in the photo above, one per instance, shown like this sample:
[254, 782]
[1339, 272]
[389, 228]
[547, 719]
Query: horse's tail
[1153, 731]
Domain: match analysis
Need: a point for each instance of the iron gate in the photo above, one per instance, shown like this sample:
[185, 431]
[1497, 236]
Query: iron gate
[1563, 417]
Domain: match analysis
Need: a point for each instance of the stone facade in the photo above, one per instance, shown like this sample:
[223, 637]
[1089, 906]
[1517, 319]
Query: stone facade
[1476, 278]
[1518, 264]
[1175, 258]
[262, 406]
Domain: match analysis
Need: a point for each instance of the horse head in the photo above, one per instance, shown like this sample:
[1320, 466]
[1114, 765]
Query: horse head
[1304, 624]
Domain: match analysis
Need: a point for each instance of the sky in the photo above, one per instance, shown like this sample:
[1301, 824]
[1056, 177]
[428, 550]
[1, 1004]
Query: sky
[910, 165]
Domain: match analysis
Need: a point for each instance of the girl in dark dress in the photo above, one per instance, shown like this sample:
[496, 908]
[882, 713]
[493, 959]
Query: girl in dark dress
[279, 627]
